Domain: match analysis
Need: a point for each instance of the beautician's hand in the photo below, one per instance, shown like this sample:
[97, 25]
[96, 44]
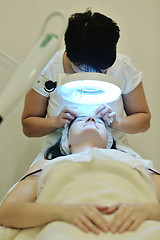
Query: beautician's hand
[127, 217]
[66, 116]
[87, 217]
[107, 113]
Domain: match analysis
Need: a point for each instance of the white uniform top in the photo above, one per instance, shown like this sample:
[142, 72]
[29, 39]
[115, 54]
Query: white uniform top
[123, 70]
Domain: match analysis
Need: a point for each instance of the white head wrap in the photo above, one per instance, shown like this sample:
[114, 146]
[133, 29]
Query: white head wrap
[64, 139]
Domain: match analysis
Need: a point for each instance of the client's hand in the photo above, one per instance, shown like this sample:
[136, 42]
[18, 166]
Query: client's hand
[66, 116]
[127, 217]
[87, 217]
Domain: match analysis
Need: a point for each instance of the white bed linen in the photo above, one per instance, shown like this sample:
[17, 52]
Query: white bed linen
[96, 176]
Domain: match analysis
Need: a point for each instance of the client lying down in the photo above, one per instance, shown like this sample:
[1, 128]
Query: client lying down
[91, 192]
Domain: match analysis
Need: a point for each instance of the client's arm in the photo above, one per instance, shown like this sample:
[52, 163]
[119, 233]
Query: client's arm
[128, 217]
[19, 209]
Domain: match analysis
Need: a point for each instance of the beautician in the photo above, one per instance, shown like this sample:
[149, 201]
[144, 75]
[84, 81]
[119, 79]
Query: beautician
[91, 41]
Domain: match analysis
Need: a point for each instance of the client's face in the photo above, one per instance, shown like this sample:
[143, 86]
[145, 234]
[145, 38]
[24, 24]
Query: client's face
[88, 129]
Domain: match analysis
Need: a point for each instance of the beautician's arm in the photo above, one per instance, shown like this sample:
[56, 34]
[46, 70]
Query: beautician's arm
[34, 121]
[19, 209]
[137, 111]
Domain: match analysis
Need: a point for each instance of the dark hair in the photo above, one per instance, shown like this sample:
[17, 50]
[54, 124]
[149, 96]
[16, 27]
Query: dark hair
[91, 39]
[53, 151]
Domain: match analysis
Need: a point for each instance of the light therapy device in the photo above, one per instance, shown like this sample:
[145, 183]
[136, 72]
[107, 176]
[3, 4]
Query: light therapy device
[86, 91]
[29, 70]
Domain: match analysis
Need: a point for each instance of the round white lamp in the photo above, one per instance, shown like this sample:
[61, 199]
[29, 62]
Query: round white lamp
[87, 91]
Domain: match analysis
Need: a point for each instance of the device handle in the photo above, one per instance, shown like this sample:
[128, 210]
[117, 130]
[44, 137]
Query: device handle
[30, 69]
[53, 14]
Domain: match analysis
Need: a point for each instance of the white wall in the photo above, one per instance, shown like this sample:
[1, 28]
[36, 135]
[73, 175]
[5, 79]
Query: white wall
[20, 21]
